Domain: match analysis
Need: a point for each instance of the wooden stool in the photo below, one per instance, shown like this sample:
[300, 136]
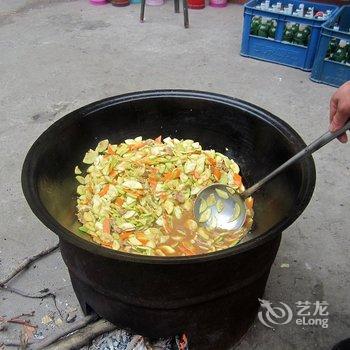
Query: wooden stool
[177, 10]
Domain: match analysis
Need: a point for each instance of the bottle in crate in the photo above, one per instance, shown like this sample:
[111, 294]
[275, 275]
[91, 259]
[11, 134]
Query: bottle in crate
[340, 54]
[255, 25]
[348, 59]
[347, 48]
[264, 28]
[295, 28]
[302, 36]
[272, 30]
[299, 38]
[288, 33]
[332, 47]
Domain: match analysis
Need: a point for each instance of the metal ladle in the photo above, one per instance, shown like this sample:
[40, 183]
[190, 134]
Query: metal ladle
[231, 213]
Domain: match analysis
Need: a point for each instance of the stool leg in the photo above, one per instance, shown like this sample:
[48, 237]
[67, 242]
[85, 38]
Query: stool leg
[142, 14]
[186, 20]
[177, 6]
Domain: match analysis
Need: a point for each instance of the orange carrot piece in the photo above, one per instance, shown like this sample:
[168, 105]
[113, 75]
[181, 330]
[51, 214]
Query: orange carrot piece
[107, 245]
[196, 174]
[106, 226]
[176, 173]
[216, 172]
[212, 161]
[184, 250]
[136, 193]
[166, 225]
[110, 150]
[237, 179]
[163, 196]
[249, 202]
[189, 247]
[125, 235]
[152, 182]
[168, 176]
[158, 139]
[136, 146]
[119, 201]
[113, 173]
[172, 175]
[104, 190]
[141, 237]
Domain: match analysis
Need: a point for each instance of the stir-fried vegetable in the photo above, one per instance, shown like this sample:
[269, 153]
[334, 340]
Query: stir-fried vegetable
[138, 197]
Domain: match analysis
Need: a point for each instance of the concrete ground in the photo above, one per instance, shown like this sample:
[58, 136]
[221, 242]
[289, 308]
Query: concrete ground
[59, 55]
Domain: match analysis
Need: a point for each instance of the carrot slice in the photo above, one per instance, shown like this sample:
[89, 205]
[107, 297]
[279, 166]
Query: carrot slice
[158, 139]
[125, 235]
[176, 173]
[136, 193]
[104, 190]
[196, 175]
[152, 182]
[166, 225]
[119, 201]
[172, 175]
[237, 179]
[163, 196]
[110, 150]
[136, 146]
[168, 176]
[249, 202]
[107, 245]
[106, 226]
[211, 161]
[216, 172]
[113, 173]
[189, 247]
[184, 250]
[141, 237]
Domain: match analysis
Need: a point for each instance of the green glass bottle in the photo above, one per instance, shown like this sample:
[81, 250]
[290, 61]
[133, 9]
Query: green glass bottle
[308, 35]
[272, 30]
[340, 55]
[332, 47]
[288, 34]
[347, 47]
[263, 29]
[295, 28]
[254, 28]
[348, 58]
[300, 38]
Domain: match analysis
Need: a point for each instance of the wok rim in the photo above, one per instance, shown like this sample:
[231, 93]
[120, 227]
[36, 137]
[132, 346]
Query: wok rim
[33, 199]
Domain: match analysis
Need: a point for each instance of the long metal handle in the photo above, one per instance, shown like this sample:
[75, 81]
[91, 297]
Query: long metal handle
[311, 148]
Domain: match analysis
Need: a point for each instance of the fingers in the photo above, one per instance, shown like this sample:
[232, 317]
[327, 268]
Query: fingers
[339, 111]
[338, 121]
[343, 138]
[332, 107]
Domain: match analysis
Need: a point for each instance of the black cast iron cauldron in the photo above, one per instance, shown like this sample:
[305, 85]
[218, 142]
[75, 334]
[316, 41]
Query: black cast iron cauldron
[212, 298]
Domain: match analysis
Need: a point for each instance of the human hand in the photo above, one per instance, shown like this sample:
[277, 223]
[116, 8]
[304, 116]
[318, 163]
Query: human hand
[340, 110]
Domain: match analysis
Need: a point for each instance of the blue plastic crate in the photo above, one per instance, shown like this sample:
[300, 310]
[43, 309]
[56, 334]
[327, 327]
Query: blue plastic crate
[324, 70]
[275, 50]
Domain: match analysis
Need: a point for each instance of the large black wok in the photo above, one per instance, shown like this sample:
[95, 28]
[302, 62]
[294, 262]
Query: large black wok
[212, 298]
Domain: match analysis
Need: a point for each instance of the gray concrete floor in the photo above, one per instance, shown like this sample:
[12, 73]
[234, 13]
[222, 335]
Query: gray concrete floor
[59, 55]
